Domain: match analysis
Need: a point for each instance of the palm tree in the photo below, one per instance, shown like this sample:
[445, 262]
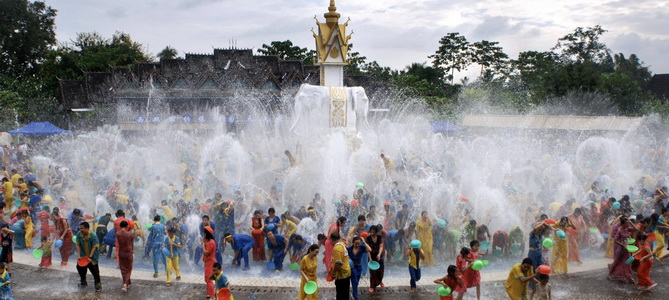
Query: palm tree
[168, 53]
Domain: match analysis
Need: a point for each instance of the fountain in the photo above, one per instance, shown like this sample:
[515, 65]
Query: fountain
[490, 177]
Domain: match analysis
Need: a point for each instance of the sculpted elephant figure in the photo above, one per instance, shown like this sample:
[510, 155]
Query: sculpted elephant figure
[331, 107]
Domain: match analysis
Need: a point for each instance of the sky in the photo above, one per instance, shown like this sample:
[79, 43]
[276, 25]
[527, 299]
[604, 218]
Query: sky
[395, 33]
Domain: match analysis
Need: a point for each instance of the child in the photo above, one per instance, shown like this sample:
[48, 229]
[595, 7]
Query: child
[6, 238]
[471, 277]
[30, 231]
[173, 244]
[5, 281]
[452, 281]
[543, 289]
[220, 282]
[139, 233]
[645, 257]
[415, 255]
[46, 254]
[462, 264]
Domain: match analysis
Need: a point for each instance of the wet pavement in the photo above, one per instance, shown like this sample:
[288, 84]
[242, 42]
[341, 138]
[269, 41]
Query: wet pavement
[34, 283]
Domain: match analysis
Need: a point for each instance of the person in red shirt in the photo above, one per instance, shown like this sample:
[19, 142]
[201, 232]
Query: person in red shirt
[209, 258]
[120, 217]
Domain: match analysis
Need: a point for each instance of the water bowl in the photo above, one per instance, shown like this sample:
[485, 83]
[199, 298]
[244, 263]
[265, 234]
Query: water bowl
[397, 255]
[224, 294]
[484, 245]
[616, 205]
[632, 249]
[310, 288]
[37, 253]
[444, 291]
[544, 269]
[415, 244]
[374, 265]
[477, 265]
[549, 221]
[58, 243]
[548, 243]
[560, 233]
[630, 241]
[294, 266]
[82, 261]
[166, 252]
[485, 262]
[441, 223]
[630, 260]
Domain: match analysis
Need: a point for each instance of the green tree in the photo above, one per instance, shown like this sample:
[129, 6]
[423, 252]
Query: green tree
[454, 54]
[168, 53]
[583, 45]
[90, 52]
[633, 68]
[356, 62]
[287, 51]
[26, 34]
[490, 57]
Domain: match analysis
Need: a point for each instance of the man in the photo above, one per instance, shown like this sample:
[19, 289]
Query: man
[402, 217]
[87, 248]
[221, 282]
[157, 237]
[341, 270]
[519, 276]
[277, 247]
[241, 244]
[387, 164]
[392, 237]
[125, 241]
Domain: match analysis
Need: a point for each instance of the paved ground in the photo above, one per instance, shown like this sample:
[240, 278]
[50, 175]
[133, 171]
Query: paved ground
[584, 282]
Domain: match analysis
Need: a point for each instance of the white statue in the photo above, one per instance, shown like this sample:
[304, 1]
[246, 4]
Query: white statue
[322, 107]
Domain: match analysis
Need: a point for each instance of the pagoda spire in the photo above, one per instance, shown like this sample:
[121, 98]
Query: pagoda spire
[332, 16]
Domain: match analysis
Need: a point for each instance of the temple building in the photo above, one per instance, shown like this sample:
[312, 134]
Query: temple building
[183, 92]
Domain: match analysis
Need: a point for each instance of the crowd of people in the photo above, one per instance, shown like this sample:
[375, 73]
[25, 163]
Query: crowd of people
[38, 211]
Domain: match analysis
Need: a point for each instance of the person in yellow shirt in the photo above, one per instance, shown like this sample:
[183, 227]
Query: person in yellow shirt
[290, 228]
[188, 193]
[519, 277]
[341, 269]
[15, 178]
[23, 187]
[28, 223]
[8, 197]
[169, 215]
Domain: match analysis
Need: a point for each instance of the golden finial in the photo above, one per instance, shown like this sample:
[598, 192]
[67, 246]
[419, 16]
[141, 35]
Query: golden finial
[332, 17]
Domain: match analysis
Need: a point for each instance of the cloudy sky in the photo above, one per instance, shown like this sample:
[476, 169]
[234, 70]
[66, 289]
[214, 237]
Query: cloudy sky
[393, 32]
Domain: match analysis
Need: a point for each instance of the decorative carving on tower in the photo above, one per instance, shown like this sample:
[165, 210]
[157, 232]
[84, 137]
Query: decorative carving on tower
[332, 47]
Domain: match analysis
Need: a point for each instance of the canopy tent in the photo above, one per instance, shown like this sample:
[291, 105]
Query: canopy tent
[444, 126]
[39, 129]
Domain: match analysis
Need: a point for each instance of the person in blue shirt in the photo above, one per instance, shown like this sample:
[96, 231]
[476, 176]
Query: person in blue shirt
[392, 237]
[241, 244]
[356, 252]
[5, 283]
[221, 283]
[274, 220]
[277, 245]
[157, 237]
[296, 248]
